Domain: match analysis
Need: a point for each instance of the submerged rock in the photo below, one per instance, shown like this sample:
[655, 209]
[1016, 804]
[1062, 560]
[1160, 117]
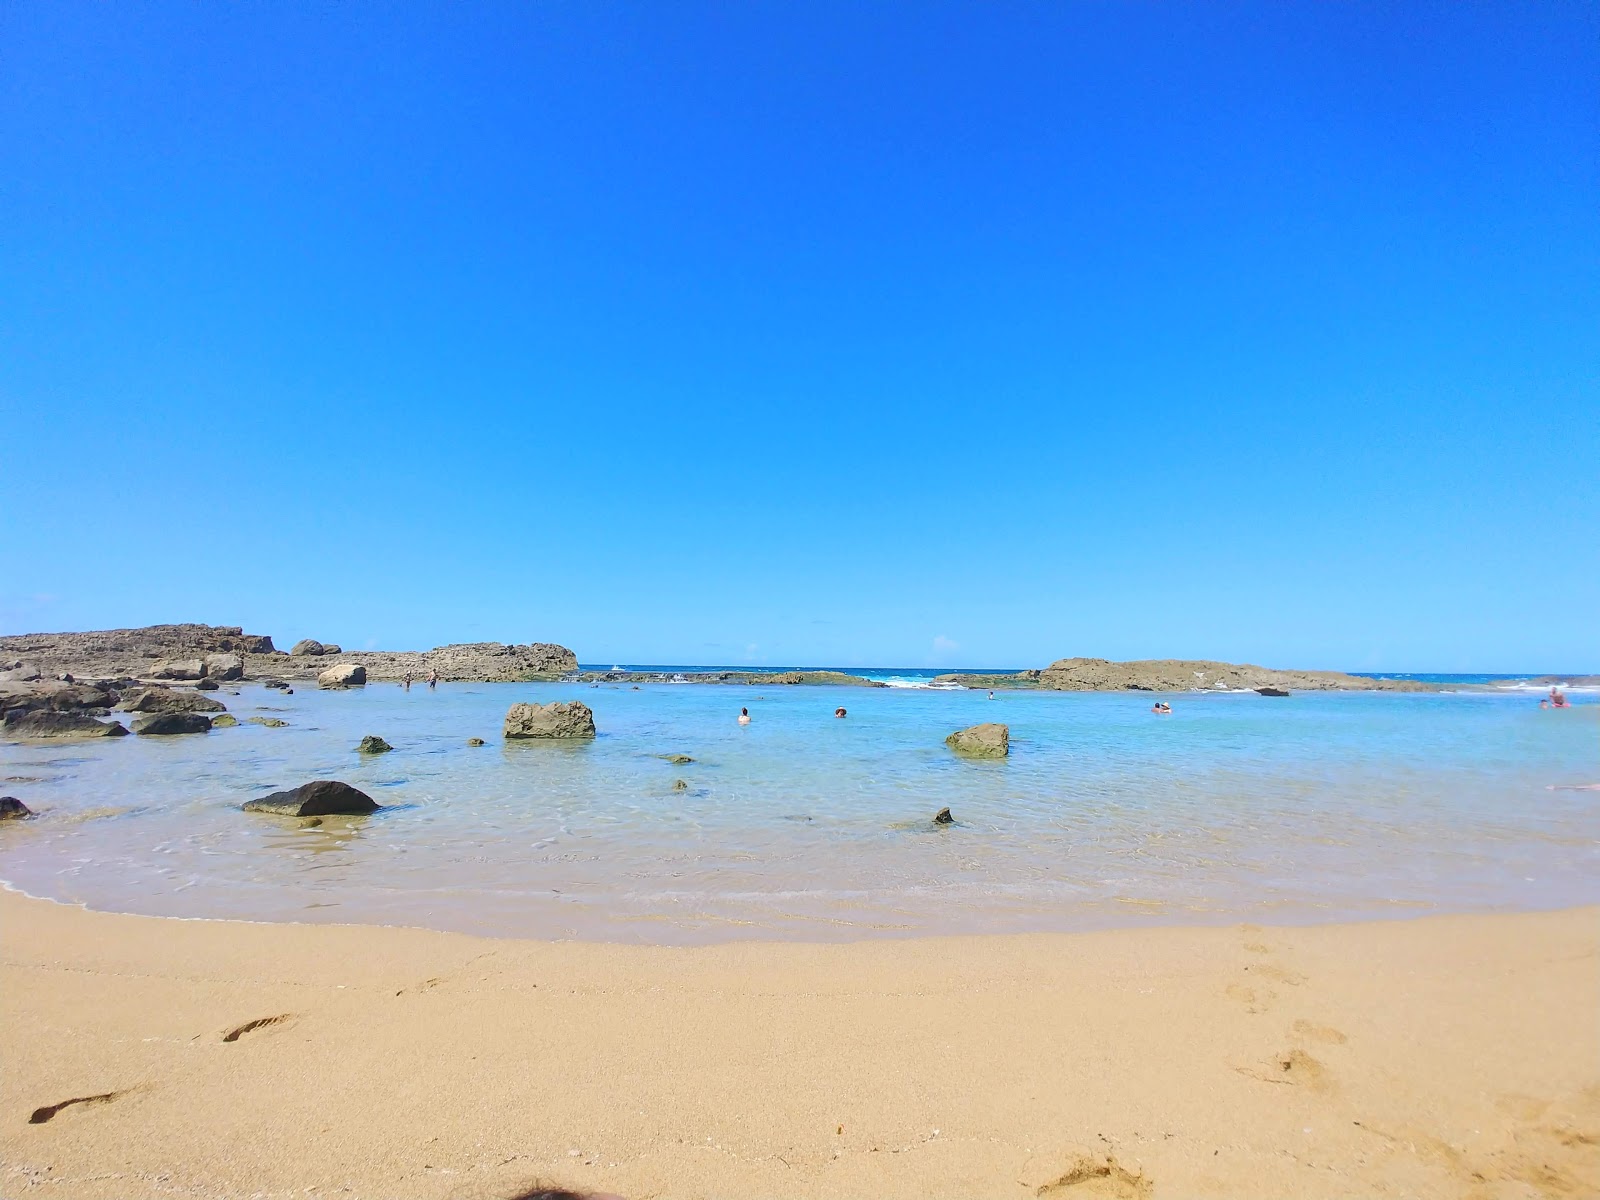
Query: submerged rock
[943, 817]
[680, 785]
[475, 742]
[316, 799]
[223, 721]
[45, 724]
[269, 722]
[12, 809]
[989, 740]
[207, 685]
[573, 719]
[677, 760]
[168, 724]
[169, 700]
[373, 744]
[342, 675]
[1271, 691]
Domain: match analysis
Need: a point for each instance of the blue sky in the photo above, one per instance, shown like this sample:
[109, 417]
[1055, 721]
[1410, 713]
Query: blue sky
[848, 334]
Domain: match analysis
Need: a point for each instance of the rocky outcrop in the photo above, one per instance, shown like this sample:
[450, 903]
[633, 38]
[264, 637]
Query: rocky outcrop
[21, 673]
[12, 809]
[223, 721]
[1176, 675]
[320, 798]
[307, 647]
[989, 740]
[569, 720]
[373, 744]
[170, 724]
[943, 817]
[180, 668]
[60, 697]
[43, 723]
[107, 653]
[169, 700]
[343, 675]
[1019, 679]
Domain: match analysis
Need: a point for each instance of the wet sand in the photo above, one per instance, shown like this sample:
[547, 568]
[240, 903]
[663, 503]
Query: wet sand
[1445, 1056]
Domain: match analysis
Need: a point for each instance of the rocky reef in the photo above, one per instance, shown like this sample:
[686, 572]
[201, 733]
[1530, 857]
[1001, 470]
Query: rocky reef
[1178, 675]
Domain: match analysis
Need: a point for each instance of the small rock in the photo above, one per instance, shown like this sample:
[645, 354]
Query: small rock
[343, 675]
[269, 722]
[943, 817]
[12, 809]
[319, 798]
[307, 647]
[570, 720]
[223, 721]
[677, 760]
[680, 785]
[167, 724]
[1271, 691]
[311, 823]
[373, 744]
[475, 741]
[207, 685]
[989, 740]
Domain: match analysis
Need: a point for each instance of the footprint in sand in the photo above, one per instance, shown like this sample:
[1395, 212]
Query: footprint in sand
[41, 1115]
[1097, 1179]
[238, 1031]
[1326, 1034]
[1255, 1000]
[1293, 1068]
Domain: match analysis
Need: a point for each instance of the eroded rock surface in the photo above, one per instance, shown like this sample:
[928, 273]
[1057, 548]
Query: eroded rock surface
[569, 720]
[320, 798]
[989, 740]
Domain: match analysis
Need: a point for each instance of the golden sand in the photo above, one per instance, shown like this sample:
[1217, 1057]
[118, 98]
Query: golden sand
[1447, 1056]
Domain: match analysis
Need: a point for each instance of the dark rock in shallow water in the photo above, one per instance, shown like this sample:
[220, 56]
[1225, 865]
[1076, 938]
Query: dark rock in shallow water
[207, 685]
[570, 720]
[319, 798]
[269, 722]
[39, 724]
[169, 700]
[223, 721]
[1271, 691]
[372, 744]
[989, 740]
[680, 785]
[677, 760]
[12, 809]
[475, 742]
[168, 724]
[943, 817]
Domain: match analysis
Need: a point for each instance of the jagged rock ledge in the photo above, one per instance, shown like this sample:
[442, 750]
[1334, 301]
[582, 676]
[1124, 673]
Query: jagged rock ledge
[1178, 675]
[755, 678]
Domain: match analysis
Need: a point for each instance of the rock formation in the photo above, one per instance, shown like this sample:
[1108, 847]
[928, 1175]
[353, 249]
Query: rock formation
[42, 723]
[12, 809]
[1176, 675]
[169, 724]
[373, 744]
[343, 675]
[165, 699]
[570, 720]
[989, 740]
[307, 647]
[320, 798]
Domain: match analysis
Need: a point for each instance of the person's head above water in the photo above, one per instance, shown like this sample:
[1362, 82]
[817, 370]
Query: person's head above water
[839, 712]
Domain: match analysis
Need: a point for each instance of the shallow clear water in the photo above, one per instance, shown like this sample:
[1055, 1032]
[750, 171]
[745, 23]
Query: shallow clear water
[1318, 807]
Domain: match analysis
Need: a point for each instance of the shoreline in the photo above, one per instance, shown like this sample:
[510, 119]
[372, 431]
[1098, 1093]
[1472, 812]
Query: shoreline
[1440, 1056]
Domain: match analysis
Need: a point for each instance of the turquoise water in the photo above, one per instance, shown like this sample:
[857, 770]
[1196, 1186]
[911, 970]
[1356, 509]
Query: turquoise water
[1319, 807]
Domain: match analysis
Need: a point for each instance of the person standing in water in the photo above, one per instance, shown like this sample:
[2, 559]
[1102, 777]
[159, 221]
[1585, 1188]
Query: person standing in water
[408, 681]
[1557, 698]
[744, 716]
[433, 679]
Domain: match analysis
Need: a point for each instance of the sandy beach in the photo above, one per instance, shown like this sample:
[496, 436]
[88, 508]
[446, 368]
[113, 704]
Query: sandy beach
[1445, 1056]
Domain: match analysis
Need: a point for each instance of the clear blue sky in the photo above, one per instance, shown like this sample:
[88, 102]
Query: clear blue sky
[809, 333]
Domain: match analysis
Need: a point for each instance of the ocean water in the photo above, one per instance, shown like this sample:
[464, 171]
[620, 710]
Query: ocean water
[1323, 806]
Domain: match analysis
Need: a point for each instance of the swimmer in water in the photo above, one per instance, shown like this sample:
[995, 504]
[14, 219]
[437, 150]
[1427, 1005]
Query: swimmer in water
[838, 712]
[991, 695]
[1557, 699]
[1162, 707]
[744, 716]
